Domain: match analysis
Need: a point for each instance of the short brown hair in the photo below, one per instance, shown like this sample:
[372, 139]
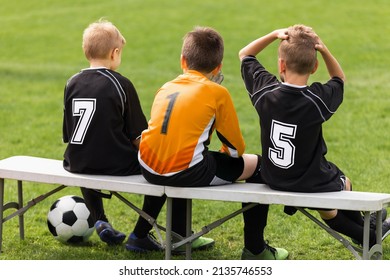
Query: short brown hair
[298, 51]
[100, 38]
[203, 49]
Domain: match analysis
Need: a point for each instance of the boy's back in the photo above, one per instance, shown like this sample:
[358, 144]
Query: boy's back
[291, 116]
[97, 101]
[102, 120]
[291, 112]
[185, 112]
[290, 119]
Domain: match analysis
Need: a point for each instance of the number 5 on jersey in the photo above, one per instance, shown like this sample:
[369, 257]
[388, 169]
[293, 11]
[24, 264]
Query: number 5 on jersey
[283, 153]
[84, 109]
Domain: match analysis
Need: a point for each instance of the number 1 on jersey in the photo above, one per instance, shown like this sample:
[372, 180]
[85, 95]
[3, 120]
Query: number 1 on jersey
[172, 98]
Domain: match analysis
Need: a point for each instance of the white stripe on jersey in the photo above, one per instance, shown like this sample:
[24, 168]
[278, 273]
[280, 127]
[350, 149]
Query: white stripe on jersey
[327, 108]
[271, 90]
[198, 152]
[315, 104]
[118, 86]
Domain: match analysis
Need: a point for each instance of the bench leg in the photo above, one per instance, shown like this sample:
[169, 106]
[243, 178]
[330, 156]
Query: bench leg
[20, 204]
[379, 227]
[376, 251]
[20, 209]
[379, 233]
[168, 232]
[1, 211]
[366, 235]
[188, 228]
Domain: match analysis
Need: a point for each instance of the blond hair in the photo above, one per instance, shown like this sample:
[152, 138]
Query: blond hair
[100, 38]
[298, 51]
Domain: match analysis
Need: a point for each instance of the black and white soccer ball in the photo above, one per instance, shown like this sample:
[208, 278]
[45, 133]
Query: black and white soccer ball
[69, 220]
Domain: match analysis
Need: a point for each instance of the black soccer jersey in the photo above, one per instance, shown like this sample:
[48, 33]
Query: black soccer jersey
[102, 116]
[291, 118]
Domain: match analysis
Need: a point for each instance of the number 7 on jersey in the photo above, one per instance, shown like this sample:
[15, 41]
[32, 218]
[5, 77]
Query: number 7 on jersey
[84, 108]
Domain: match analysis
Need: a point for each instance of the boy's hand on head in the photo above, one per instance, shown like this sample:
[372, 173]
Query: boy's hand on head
[320, 46]
[282, 34]
[258, 45]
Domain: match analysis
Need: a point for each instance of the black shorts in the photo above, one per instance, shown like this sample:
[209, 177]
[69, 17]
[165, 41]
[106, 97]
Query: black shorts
[215, 169]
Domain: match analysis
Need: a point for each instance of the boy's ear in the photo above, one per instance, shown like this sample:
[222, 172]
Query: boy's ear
[315, 67]
[114, 52]
[281, 65]
[217, 69]
[183, 63]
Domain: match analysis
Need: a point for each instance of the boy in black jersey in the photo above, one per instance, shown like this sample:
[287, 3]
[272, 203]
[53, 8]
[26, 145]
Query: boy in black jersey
[103, 120]
[291, 117]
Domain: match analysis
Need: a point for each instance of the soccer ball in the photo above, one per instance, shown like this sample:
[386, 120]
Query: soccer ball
[69, 220]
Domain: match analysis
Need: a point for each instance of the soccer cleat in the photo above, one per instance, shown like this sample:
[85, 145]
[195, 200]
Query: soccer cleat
[142, 245]
[108, 234]
[385, 228]
[198, 244]
[269, 253]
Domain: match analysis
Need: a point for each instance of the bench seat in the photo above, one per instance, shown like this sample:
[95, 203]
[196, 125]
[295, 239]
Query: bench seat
[250, 192]
[366, 202]
[50, 171]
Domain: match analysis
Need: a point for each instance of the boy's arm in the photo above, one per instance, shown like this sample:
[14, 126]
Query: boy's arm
[259, 44]
[227, 126]
[333, 66]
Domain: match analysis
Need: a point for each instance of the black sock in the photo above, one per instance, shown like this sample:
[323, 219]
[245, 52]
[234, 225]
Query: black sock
[343, 224]
[355, 216]
[179, 217]
[152, 205]
[94, 203]
[255, 220]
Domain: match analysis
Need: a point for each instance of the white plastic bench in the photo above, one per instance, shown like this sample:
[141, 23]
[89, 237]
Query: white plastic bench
[366, 202]
[50, 171]
[25, 168]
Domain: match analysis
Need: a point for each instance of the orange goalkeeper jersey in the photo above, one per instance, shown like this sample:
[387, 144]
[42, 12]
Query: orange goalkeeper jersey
[184, 114]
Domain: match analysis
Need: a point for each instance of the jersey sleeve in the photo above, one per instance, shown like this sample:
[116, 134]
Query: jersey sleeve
[227, 127]
[329, 96]
[255, 76]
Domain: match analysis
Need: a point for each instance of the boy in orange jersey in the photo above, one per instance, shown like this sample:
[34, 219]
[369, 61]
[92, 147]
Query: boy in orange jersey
[174, 149]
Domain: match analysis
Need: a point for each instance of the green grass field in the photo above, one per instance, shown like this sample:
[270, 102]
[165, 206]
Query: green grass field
[40, 48]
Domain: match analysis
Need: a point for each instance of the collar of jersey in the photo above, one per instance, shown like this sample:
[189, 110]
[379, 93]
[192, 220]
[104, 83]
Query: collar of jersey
[292, 85]
[94, 68]
[195, 73]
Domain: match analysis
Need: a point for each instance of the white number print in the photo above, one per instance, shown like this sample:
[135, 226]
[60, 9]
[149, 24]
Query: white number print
[283, 153]
[84, 108]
